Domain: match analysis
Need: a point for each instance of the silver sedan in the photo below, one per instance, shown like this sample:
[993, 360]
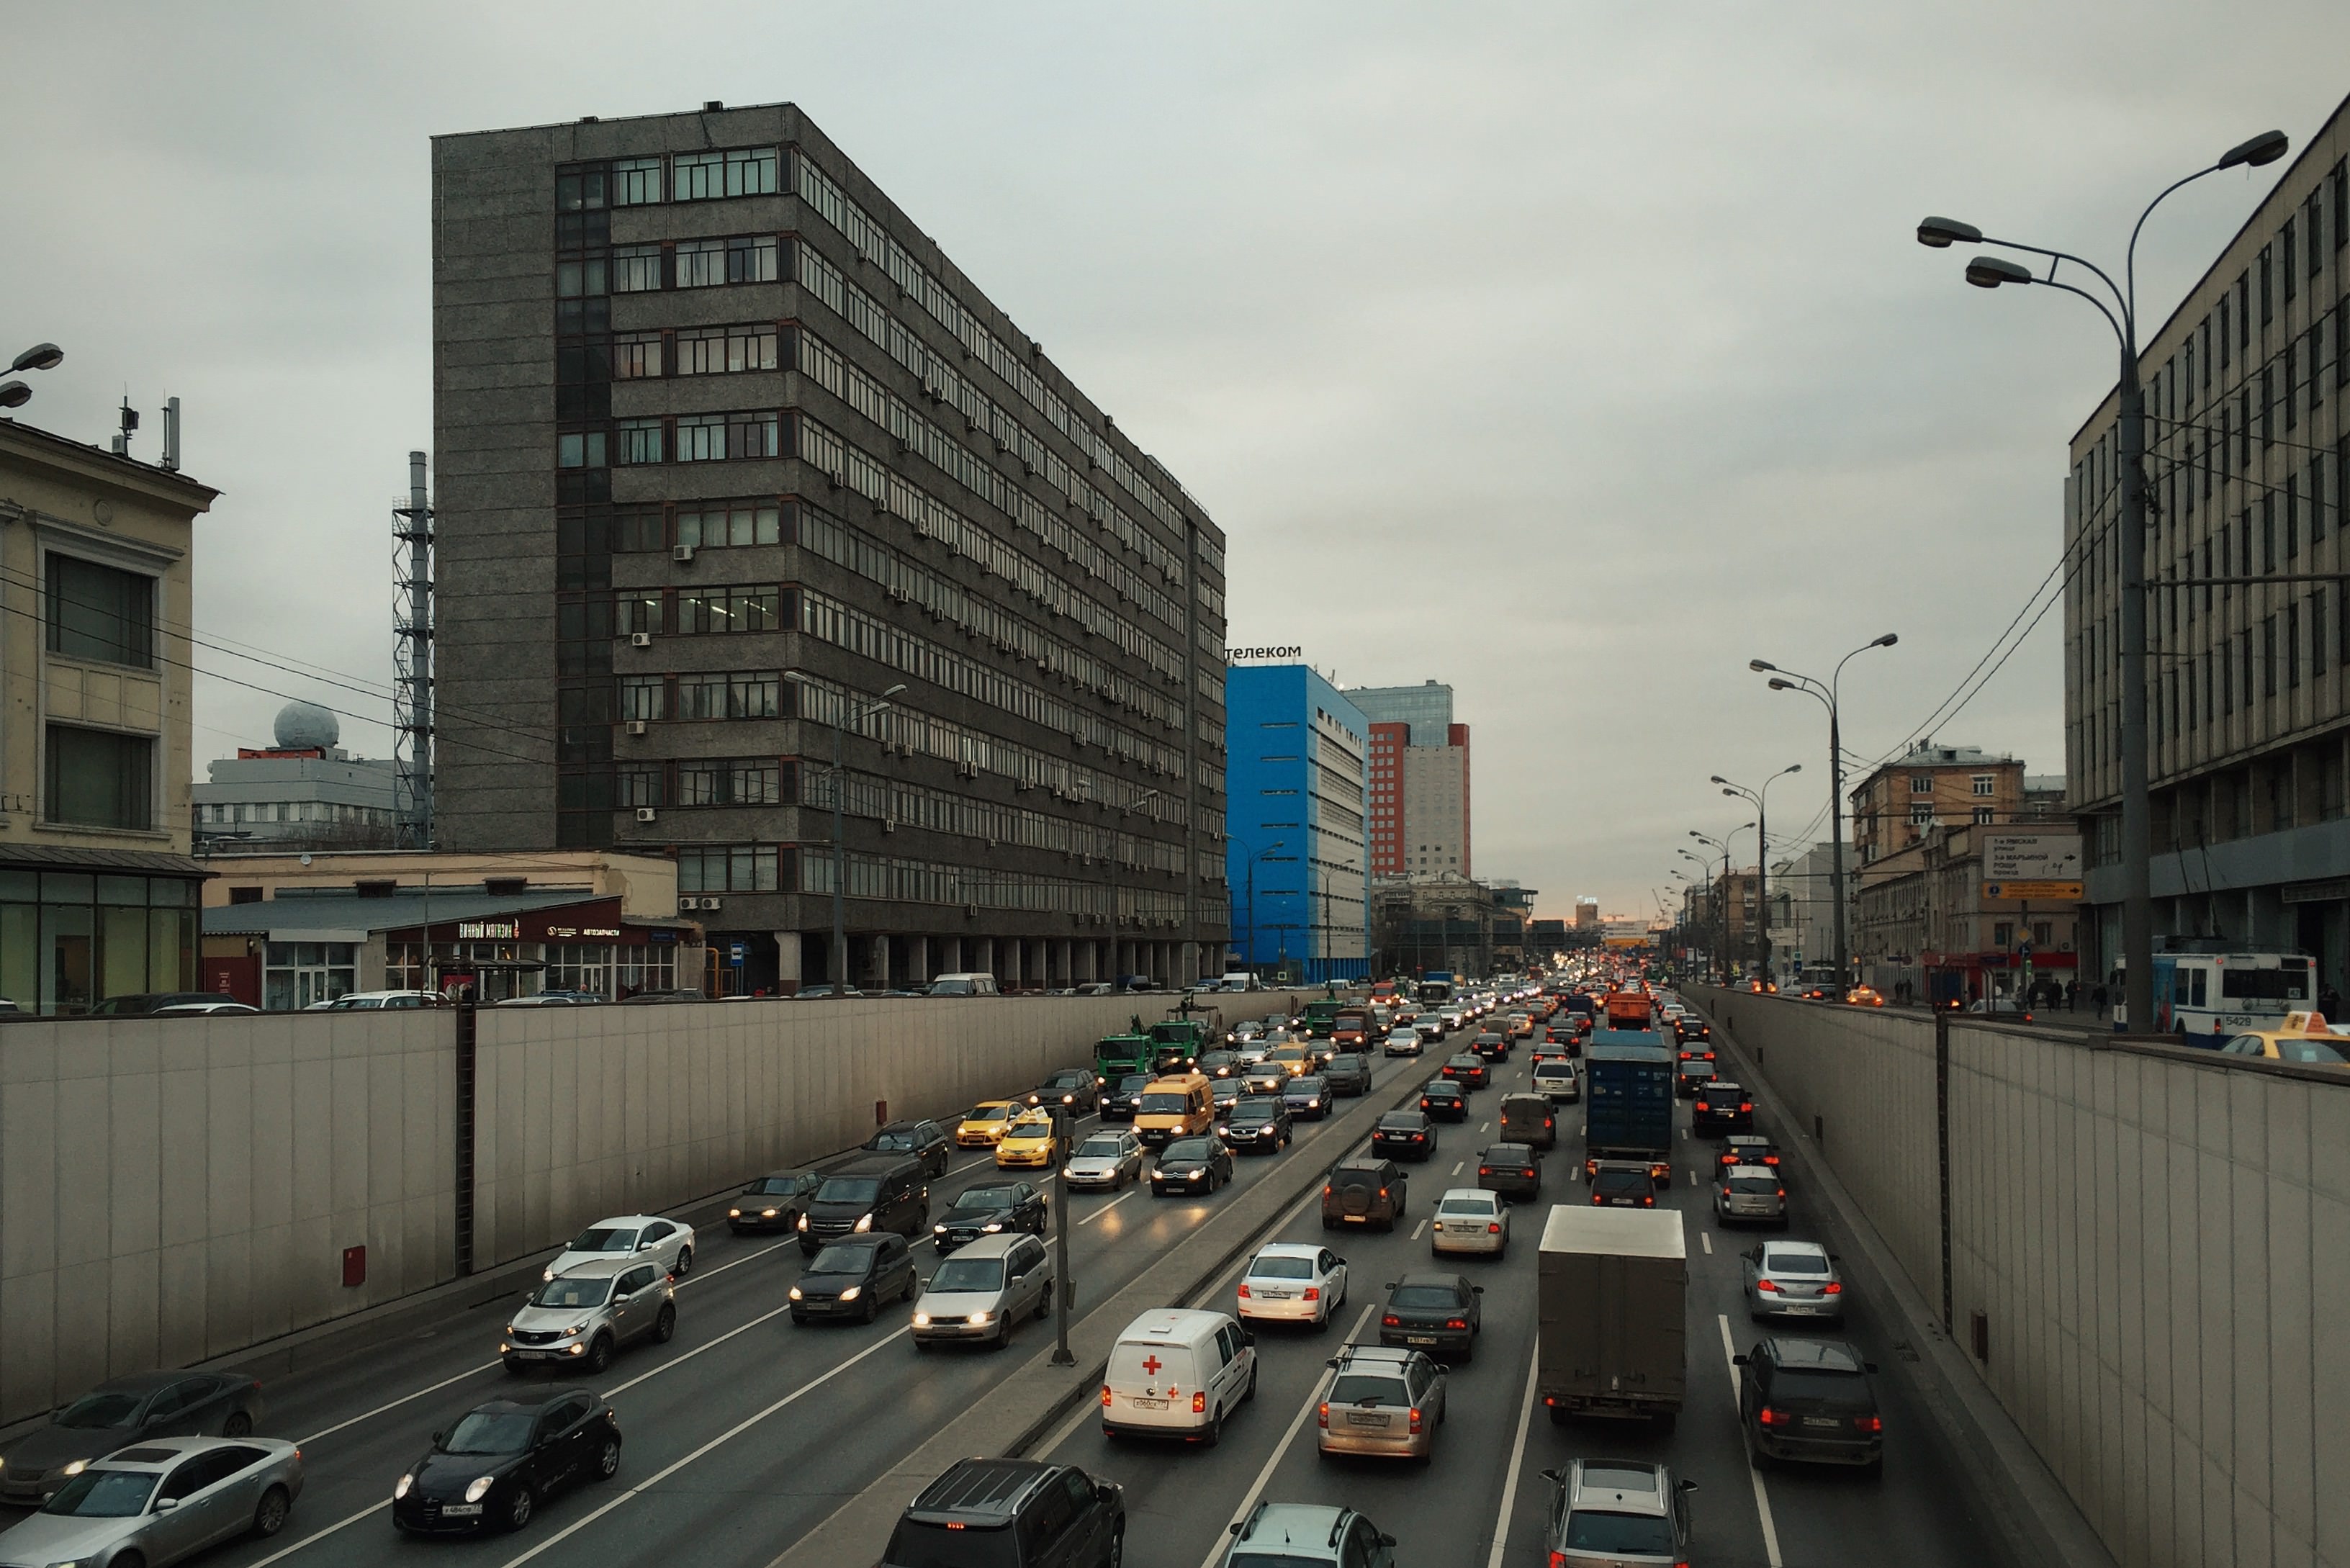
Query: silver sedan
[1792, 1278]
[162, 1500]
[1106, 1159]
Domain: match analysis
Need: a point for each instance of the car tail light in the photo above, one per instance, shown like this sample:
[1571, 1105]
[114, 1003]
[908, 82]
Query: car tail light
[1321, 1417]
[1660, 1172]
[1493, 1228]
[1104, 1396]
[1484, 1170]
[1649, 1202]
[1782, 1193]
[1414, 1417]
[1312, 1293]
[1767, 1417]
[1770, 1160]
[1389, 1320]
[1200, 1402]
[1766, 1284]
[1456, 1323]
[1325, 1190]
[1868, 1423]
[1834, 1287]
[1745, 1105]
[1244, 1295]
[1590, 1169]
[1558, 1560]
[1596, 1201]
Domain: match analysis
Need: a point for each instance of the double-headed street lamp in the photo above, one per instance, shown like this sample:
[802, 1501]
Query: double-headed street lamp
[1722, 844]
[1826, 694]
[854, 718]
[1991, 272]
[1761, 853]
[39, 357]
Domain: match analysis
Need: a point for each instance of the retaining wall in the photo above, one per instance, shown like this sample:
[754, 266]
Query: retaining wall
[172, 1191]
[2153, 1243]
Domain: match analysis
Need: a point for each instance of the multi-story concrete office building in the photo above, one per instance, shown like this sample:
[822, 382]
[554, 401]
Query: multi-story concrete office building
[2247, 449]
[304, 793]
[735, 469]
[1297, 791]
[98, 894]
[1420, 780]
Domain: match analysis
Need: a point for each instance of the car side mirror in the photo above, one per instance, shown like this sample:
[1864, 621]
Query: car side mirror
[1233, 1528]
[1477, 1289]
[1738, 1358]
[1870, 1365]
[920, 1283]
[439, 1439]
[1390, 1285]
[165, 1504]
[1689, 1486]
[1835, 1257]
[1386, 1540]
[1248, 1337]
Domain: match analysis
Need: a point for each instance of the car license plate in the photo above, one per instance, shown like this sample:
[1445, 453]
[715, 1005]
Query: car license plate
[1826, 1421]
[1354, 1219]
[461, 1509]
[533, 1354]
[1356, 1419]
[1419, 1339]
[1142, 1404]
[1277, 1296]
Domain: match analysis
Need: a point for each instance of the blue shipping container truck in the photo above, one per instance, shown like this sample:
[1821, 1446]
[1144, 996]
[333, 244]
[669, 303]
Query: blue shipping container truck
[1627, 1100]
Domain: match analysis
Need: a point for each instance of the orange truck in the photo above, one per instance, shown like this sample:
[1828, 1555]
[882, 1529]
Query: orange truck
[1628, 1009]
[1351, 1031]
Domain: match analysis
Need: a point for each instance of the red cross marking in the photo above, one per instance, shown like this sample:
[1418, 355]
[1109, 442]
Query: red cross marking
[1151, 1365]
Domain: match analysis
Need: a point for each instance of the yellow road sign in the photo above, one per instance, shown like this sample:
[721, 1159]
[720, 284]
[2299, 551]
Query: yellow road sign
[2058, 890]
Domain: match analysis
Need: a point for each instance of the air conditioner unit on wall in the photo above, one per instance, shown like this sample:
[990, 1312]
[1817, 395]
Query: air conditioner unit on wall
[645, 813]
[637, 726]
[970, 911]
[640, 640]
[712, 903]
[682, 553]
[687, 906]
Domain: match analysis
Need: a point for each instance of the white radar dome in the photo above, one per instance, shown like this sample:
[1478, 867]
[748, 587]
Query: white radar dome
[305, 726]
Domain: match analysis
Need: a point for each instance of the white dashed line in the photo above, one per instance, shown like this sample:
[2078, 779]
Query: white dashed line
[1089, 1218]
[1420, 1230]
[1706, 1237]
[1456, 1168]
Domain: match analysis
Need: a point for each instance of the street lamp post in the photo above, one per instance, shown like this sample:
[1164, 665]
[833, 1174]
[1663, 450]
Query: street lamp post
[1722, 844]
[1117, 916]
[1991, 271]
[853, 717]
[1762, 854]
[1827, 694]
[1707, 886]
[39, 357]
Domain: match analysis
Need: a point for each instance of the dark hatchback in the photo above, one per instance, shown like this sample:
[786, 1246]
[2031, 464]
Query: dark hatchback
[1122, 1099]
[1688, 1077]
[493, 1468]
[853, 1276]
[1720, 1108]
[1308, 1098]
[1490, 1044]
[925, 1141]
[1257, 1123]
[125, 1410]
[1623, 1184]
[989, 1209]
[1348, 1073]
[1444, 1101]
[1439, 1313]
[1219, 1063]
[1810, 1399]
[774, 1201]
[1191, 1165]
[1512, 1170]
[1010, 1514]
[1404, 1134]
[1469, 1071]
[1074, 1089]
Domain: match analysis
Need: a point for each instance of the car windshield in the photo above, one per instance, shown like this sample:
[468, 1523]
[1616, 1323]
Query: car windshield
[848, 1190]
[1258, 1110]
[2308, 1051]
[1133, 1083]
[1305, 1086]
[605, 1239]
[1620, 1181]
[1035, 1126]
[1794, 1263]
[1101, 1148]
[567, 1292]
[837, 1260]
[894, 1142]
[1758, 1187]
[1399, 1121]
[989, 1198]
[989, 1113]
[1424, 1296]
[771, 1187]
[1166, 1105]
[1591, 1529]
[1282, 1269]
[1187, 1149]
[1466, 1206]
[1367, 1388]
[968, 1274]
[490, 1432]
[917, 1543]
[104, 1495]
[101, 1409]
[1244, 1557]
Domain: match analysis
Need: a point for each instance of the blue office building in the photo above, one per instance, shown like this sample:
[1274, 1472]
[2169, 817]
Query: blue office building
[1295, 781]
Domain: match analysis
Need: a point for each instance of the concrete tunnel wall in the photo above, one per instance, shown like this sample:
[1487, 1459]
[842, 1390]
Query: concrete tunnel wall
[2158, 1244]
[172, 1191]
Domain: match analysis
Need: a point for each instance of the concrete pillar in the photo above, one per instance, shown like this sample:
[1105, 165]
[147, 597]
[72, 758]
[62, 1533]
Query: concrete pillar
[949, 956]
[918, 960]
[1066, 961]
[1010, 977]
[787, 960]
[879, 962]
[1088, 962]
[983, 954]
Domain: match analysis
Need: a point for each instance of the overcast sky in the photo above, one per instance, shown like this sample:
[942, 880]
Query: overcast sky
[1570, 353]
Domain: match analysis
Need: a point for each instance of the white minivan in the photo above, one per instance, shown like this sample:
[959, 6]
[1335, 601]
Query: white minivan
[1177, 1373]
[965, 984]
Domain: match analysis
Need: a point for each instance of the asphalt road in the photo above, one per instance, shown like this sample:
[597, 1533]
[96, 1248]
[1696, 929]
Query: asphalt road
[744, 1431]
[740, 1435]
[1446, 1514]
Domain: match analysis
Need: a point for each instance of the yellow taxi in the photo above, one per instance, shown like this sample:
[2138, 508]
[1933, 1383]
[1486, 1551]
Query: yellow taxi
[1864, 996]
[1293, 1059]
[2303, 1037]
[984, 1123]
[1027, 1143]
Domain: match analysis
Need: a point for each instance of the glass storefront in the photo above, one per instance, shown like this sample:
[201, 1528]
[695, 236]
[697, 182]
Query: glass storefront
[295, 975]
[70, 939]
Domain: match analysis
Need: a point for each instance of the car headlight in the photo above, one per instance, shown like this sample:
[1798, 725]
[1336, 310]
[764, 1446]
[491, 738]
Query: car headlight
[480, 1488]
[803, 1221]
[979, 1317]
[864, 1222]
[852, 1292]
[75, 1468]
[938, 1229]
[572, 1331]
[549, 1273]
[509, 1331]
[795, 1293]
[993, 1226]
[575, 1348]
[406, 1481]
[766, 1214]
[1193, 1175]
[921, 1320]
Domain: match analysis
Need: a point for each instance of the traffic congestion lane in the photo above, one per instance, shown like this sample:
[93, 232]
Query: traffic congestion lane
[735, 1351]
[1180, 1497]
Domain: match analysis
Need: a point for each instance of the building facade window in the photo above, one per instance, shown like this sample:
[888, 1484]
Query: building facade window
[727, 868]
[100, 613]
[1982, 783]
[295, 975]
[97, 778]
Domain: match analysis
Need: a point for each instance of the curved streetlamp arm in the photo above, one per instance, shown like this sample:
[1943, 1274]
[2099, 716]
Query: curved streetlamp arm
[2121, 332]
[2120, 297]
[2129, 257]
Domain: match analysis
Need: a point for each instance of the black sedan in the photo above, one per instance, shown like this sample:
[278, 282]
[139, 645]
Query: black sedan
[125, 1410]
[853, 1276]
[1512, 1170]
[1307, 1096]
[1491, 1046]
[1439, 1313]
[1074, 1089]
[1404, 1134]
[989, 1211]
[1219, 1063]
[1468, 1070]
[1122, 1099]
[774, 1201]
[1257, 1123]
[493, 1467]
[1191, 1165]
[1720, 1109]
[1445, 1101]
[925, 1141]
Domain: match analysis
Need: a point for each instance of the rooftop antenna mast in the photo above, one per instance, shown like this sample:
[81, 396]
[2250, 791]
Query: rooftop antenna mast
[411, 719]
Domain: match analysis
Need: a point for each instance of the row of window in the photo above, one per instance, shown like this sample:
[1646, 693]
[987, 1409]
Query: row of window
[706, 781]
[224, 813]
[930, 882]
[700, 176]
[943, 811]
[698, 611]
[720, 694]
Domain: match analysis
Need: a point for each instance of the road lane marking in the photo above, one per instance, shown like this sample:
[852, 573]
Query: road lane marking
[1707, 1238]
[1089, 1218]
[724, 1438]
[1762, 1498]
[1256, 1486]
[1457, 1165]
[682, 1360]
[1517, 1458]
[370, 1509]
[1692, 1176]
[1420, 1230]
[391, 1405]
